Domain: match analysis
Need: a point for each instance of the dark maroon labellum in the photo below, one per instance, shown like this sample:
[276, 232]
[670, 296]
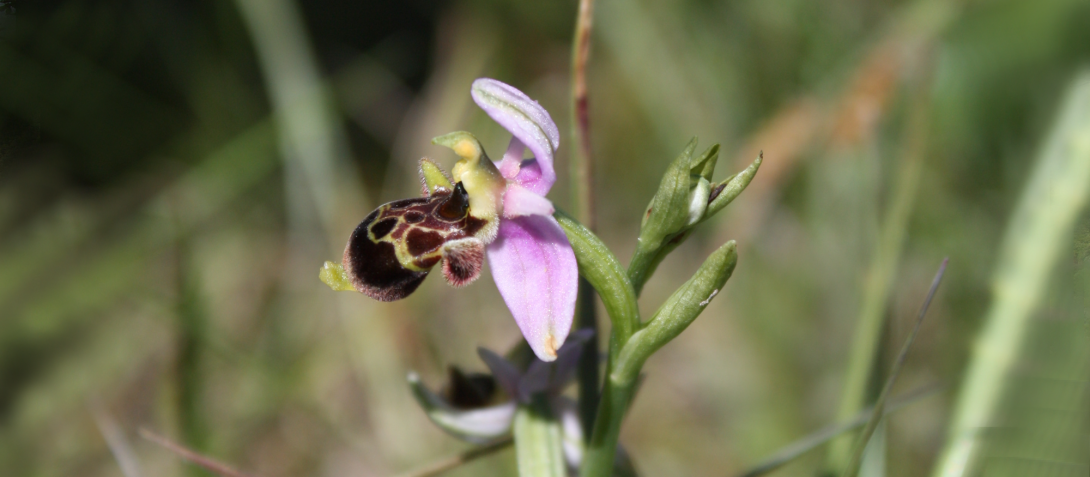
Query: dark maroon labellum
[395, 246]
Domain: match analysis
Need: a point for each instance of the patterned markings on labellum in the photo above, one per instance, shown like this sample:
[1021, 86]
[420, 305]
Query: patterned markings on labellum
[395, 246]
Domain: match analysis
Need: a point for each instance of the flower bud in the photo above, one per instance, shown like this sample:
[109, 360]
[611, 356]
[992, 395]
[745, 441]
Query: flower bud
[668, 212]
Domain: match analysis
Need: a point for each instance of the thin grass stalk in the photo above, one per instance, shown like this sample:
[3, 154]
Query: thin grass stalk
[192, 336]
[800, 447]
[1038, 235]
[207, 463]
[582, 181]
[582, 165]
[856, 460]
[882, 269]
[117, 442]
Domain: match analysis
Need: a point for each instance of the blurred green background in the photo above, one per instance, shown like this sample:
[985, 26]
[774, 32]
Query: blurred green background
[174, 173]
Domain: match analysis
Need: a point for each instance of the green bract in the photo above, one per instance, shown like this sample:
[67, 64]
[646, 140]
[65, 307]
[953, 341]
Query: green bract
[678, 312]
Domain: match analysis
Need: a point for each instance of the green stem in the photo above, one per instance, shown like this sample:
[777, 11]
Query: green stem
[602, 449]
[602, 270]
[588, 378]
[623, 371]
[538, 440]
[641, 268]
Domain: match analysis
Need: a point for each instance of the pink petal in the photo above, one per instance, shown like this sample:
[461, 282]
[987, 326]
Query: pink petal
[531, 177]
[523, 117]
[519, 201]
[536, 273]
[525, 172]
[512, 159]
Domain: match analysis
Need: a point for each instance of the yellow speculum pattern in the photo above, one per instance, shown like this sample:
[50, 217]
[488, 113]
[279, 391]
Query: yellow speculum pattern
[401, 245]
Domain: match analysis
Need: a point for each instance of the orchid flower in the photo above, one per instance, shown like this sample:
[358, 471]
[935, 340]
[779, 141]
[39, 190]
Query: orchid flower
[498, 209]
[488, 422]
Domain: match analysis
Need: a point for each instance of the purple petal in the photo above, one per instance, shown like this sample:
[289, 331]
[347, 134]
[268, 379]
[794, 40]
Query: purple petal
[519, 201]
[505, 373]
[531, 177]
[536, 273]
[552, 377]
[535, 380]
[523, 117]
[572, 431]
[525, 172]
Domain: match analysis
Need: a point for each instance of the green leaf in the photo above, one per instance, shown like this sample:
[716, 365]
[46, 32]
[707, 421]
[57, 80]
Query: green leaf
[678, 312]
[604, 272]
[1056, 194]
[539, 440]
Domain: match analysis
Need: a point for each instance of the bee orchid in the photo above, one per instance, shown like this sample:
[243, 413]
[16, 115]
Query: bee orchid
[498, 210]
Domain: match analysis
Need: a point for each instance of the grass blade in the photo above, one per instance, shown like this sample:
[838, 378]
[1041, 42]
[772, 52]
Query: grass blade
[1038, 236]
[877, 413]
[830, 432]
